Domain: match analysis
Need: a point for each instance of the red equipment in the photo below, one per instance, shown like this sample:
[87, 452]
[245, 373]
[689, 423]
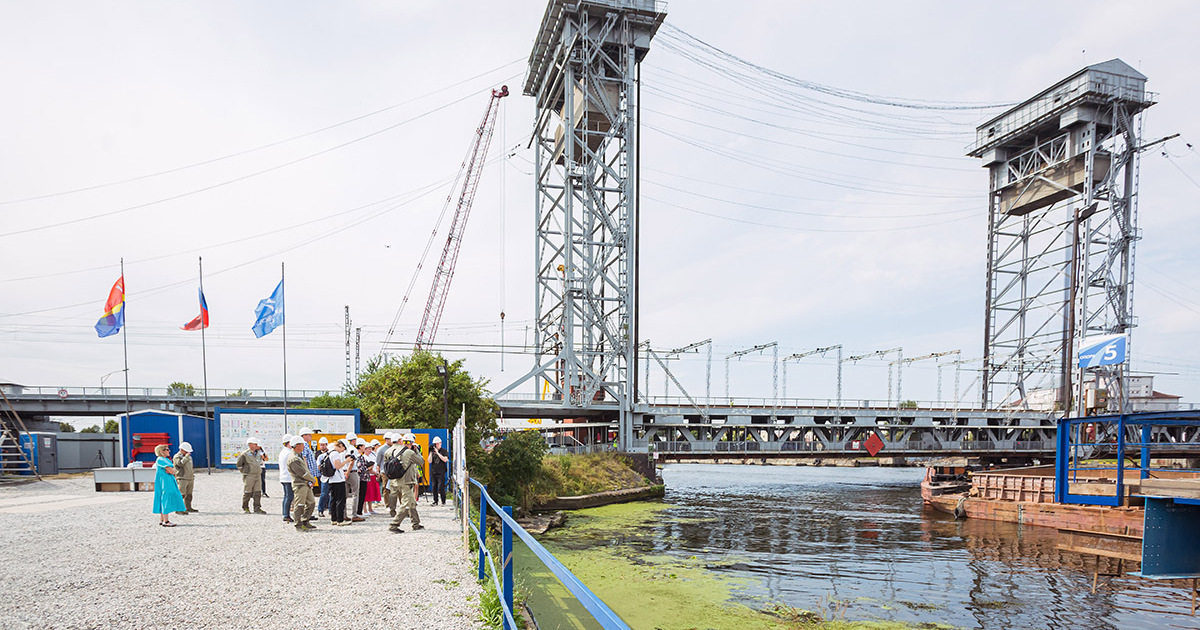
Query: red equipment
[145, 443]
[472, 168]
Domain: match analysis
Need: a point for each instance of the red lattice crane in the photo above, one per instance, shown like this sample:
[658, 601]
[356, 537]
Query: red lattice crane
[472, 168]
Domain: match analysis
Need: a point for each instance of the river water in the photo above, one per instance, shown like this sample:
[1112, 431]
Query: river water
[848, 543]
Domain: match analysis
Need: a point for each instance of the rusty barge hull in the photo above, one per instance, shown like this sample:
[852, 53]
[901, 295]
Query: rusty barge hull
[1122, 520]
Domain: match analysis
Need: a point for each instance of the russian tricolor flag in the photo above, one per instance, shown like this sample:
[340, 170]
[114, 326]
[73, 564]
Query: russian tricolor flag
[201, 320]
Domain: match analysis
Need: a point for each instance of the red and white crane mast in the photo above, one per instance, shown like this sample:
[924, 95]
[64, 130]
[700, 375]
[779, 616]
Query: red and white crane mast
[472, 168]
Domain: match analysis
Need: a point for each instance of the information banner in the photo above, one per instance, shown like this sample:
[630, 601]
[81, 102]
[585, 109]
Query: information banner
[268, 427]
[1103, 350]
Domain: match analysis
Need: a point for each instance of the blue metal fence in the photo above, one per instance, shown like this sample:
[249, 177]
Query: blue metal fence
[1092, 437]
[503, 579]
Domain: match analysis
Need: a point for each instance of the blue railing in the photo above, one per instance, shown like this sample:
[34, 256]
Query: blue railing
[503, 580]
[1081, 439]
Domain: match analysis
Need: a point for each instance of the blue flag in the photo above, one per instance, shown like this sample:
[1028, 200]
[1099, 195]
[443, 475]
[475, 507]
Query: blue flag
[269, 313]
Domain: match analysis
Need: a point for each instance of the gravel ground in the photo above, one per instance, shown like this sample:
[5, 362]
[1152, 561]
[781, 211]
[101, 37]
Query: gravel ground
[77, 558]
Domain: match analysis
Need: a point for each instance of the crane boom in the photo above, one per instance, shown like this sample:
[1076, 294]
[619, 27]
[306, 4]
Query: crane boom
[472, 168]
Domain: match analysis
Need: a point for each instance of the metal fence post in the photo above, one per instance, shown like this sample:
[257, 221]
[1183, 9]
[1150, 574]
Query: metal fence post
[507, 555]
[482, 532]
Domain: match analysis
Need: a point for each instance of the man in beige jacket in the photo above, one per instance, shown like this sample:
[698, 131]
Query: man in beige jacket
[404, 488]
[303, 501]
[250, 463]
[185, 474]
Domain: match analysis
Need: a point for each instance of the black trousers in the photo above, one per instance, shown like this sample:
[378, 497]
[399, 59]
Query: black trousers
[337, 501]
[362, 497]
[437, 483]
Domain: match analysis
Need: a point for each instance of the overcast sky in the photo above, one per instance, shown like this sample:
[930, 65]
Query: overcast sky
[323, 136]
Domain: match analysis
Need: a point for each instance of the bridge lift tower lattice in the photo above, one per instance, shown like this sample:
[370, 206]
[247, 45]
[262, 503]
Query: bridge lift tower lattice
[583, 73]
[1062, 223]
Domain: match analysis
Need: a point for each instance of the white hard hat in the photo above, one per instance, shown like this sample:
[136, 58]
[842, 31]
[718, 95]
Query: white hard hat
[393, 436]
[437, 440]
[251, 440]
[408, 437]
[296, 441]
[185, 446]
[287, 438]
[360, 442]
[351, 436]
[375, 442]
[323, 440]
[305, 431]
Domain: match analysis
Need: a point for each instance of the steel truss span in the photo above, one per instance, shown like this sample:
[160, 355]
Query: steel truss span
[1062, 223]
[583, 74]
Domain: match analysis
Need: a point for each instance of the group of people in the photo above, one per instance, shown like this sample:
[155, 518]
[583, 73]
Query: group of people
[350, 473]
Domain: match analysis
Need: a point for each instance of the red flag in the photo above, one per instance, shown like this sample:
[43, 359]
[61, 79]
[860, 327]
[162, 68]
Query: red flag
[201, 320]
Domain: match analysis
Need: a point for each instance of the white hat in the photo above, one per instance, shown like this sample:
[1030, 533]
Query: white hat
[185, 446]
[437, 440]
[323, 440]
[287, 438]
[251, 440]
[296, 441]
[393, 436]
[360, 442]
[375, 442]
[351, 436]
[305, 431]
[408, 437]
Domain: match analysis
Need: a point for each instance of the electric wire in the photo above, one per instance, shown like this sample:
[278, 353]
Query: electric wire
[260, 147]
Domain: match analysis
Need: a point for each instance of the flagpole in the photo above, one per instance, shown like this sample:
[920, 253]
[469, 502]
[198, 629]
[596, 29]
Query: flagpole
[204, 366]
[283, 296]
[125, 339]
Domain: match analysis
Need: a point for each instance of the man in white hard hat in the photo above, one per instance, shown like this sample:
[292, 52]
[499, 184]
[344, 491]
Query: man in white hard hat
[250, 463]
[404, 486]
[302, 494]
[310, 458]
[185, 475]
[389, 441]
[438, 461]
[285, 477]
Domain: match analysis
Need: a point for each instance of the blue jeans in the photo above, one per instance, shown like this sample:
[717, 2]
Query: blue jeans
[323, 502]
[287, 499]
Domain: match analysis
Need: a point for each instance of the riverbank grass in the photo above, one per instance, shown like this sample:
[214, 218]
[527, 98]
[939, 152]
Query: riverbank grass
[575, 475]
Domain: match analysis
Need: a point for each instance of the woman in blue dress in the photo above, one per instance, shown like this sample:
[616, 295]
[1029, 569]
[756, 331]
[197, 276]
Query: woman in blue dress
[167, 498]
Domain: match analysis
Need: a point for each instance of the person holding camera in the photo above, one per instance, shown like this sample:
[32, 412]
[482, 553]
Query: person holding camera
[438, 460]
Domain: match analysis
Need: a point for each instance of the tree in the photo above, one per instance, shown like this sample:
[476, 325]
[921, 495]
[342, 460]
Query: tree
[407, 392]
[514, 465]
[112, 426]
[63, 427]
[333, 401]
[339, 401]
[95, 428]
[181, 389]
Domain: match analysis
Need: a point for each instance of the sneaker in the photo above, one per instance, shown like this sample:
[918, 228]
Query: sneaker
[320, 515]
[182, 513]
[357, 519]
[301, 528]
[308, 526]
[260, 511]
[246, 510]
[288, 519]
[193, 510]
[395, 530]
[416, 527]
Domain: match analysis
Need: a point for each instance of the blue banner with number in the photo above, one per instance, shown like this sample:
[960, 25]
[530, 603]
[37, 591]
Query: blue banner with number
[1106, 350]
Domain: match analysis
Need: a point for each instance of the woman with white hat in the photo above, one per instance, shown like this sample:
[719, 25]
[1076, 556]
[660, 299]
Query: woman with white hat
[185, 475]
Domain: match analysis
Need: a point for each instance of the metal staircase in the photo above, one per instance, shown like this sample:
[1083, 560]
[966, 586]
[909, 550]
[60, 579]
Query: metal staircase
[15, 466]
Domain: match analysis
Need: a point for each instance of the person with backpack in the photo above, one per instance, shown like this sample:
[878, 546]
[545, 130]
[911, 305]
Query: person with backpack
[335, 465]
[403, 468]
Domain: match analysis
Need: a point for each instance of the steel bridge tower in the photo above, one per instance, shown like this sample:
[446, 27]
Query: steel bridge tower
[1062, 223]
[583, 73]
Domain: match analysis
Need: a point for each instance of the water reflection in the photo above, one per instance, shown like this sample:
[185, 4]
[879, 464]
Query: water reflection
[861, 536]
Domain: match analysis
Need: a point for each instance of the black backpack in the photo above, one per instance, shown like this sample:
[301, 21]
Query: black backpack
[393, 467]
[325, 466]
